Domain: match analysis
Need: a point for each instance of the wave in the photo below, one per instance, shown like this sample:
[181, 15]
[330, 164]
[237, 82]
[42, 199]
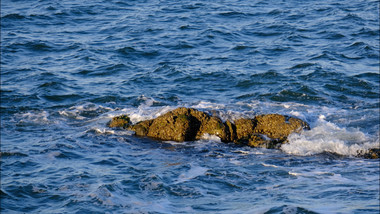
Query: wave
[85, 111]
[288, 209]
[33, 118]
[41, 46]
[330, 133]
[333, 130]
[134, 53]
[328, 137]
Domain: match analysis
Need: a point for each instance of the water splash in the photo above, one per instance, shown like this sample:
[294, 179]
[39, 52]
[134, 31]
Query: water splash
[328, 137]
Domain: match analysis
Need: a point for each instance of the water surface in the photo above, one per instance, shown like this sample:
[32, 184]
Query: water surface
[68, 67]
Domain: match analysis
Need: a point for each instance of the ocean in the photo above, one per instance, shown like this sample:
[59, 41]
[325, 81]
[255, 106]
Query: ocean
[68, 67]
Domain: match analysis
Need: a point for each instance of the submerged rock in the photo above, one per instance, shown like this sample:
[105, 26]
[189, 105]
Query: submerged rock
[187, 124]
[373, 153]
[122, 121]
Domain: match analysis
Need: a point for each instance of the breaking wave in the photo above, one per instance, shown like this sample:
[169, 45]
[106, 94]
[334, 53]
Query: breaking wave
[329, 137]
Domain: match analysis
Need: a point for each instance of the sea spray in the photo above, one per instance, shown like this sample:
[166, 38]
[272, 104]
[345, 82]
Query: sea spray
[328, 137]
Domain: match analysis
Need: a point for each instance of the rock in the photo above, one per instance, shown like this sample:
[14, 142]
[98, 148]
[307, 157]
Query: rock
[257, 140]
[187, 124]
[231, 130]
[182, 124]
[213, 126]
[373, 153]
[177, 125]
[141, 128]
[244, 129]
[122, 121]
[268, 130]
[277, 126]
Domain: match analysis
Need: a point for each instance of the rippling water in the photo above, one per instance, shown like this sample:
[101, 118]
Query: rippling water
[68, 67]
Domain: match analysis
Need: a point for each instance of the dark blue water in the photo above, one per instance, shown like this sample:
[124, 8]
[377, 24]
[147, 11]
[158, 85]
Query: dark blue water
[68, 67]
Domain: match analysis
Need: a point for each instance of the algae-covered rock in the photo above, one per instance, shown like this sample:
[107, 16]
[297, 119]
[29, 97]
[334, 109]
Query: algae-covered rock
[244, 129]
[213, 126]
[277, 126]
[262, 141]
[182, 124]
[177, 125]
[122, 121]
[174, 126]
[373, 153]
[187, 124]
[231, 130]
[141, 128]
[267, 131]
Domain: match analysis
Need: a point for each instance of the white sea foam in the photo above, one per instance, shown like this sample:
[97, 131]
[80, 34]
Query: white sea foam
[108, 131]
[209, 137]
[208, 105]
[325, 136]
[294, 173]
[34, 117]
[102, 131]
[328, 137]
[81, 112]
[145, 111]
[269, 165]
[192, 173]
[71, 114]
[241, 152]
[310, 174]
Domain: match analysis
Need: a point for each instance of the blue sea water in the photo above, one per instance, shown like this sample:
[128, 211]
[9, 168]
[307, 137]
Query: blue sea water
[68, 67]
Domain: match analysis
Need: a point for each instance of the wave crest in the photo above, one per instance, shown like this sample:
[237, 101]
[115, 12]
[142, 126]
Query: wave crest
[328, 137]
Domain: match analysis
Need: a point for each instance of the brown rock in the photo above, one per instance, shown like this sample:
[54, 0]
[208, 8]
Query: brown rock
[267, 131]
[231, 131]
[262, 141]
[122, 121]
[244, 128]
[182, 124]
[175, 126]
[277, 126]
[373, 153]
[213, 126]
[187, 124]
[141, 128]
